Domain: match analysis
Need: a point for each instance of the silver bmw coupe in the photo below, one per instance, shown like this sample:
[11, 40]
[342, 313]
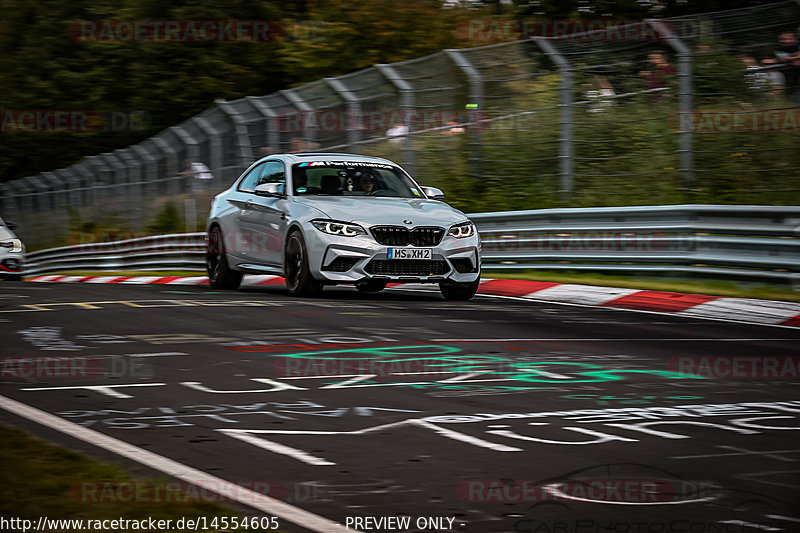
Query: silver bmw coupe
[327, 219]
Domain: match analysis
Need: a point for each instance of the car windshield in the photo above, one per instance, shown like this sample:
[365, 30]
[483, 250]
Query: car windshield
[352, 178]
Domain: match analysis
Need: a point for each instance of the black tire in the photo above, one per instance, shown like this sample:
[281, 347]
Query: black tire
[371, 286]
[220, 275]
[12, 277]
[299, 280]
[459, 291]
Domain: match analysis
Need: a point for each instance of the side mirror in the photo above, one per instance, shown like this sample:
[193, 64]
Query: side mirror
[433, 193]
[275, 190]
[11, 225]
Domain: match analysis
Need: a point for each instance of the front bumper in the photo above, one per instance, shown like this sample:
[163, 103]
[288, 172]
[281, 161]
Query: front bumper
[11, 263]
[336, 259]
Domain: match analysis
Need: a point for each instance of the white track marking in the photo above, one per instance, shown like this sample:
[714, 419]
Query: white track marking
[188, 281]
[749, 525]
[738, 320]
[744, 309]
[251, 281]
[201, 479]
[108, 390]
[274, 447]
[102, 279]
[779, 517]
[567, 339]
[580, 294]
[554, 490]
[142, 280]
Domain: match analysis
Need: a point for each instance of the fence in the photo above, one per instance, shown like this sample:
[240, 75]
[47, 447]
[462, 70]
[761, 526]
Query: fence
[536, 123]
[747, 242]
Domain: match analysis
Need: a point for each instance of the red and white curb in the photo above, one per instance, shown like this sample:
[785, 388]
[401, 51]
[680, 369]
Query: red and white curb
[743, 310]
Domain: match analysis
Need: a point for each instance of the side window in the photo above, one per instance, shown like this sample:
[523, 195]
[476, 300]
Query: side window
[251, 179]
[274, 172]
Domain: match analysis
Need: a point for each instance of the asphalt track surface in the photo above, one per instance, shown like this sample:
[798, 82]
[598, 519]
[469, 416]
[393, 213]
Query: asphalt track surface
[499, 413]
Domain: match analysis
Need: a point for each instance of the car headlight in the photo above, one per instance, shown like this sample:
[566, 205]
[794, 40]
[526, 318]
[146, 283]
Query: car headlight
[343, 229]
[14, 244]
[460, 231]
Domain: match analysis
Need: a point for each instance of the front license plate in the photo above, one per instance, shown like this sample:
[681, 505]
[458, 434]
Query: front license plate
[410, 253]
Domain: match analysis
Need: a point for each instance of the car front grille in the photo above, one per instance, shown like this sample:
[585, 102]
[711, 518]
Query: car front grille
[402, 236]
[407, 267]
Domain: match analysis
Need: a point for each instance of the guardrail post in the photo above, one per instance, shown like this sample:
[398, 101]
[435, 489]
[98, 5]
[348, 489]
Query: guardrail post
[303, 107]
[407, 105]
[566, 145]
[354, 108]
[242, 135]
[9, 202]
[270, 123]
[215, 148]
[684, 99]
[475, 110]
[172, 164]
[133, 186]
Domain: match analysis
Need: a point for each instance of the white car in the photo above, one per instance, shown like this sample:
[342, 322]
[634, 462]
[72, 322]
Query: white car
[12, 252]
[325, 219]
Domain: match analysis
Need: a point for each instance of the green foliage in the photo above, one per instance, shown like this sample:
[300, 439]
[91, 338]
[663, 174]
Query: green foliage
[42, 67]
[167, 220]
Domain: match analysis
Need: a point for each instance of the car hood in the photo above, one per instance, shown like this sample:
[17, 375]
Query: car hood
[384, 210]
[6, 234]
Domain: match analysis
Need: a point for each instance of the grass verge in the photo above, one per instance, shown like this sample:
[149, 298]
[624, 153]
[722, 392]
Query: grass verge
[43, 480]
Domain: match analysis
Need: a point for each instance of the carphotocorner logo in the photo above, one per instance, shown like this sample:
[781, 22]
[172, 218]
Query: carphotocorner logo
[494, 30]
[72, 121]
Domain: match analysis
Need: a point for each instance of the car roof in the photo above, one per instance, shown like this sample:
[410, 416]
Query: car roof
[331, 155]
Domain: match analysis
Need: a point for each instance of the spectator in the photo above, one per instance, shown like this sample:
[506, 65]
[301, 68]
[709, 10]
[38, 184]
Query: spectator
[299, 145]
[197, 170]
[601, 94]
[660, 71]
[788, 54]
[759, 80]
[453, 127]
[397, 132]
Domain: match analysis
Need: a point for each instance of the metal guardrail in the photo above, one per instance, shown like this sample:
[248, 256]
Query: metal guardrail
[182, 251]
[749, 242]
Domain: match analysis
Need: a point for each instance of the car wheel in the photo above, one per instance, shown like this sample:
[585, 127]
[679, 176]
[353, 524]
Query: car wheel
[220, 275]
[459, 291]
[371, 286]
[299, 280]
[12, 277]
